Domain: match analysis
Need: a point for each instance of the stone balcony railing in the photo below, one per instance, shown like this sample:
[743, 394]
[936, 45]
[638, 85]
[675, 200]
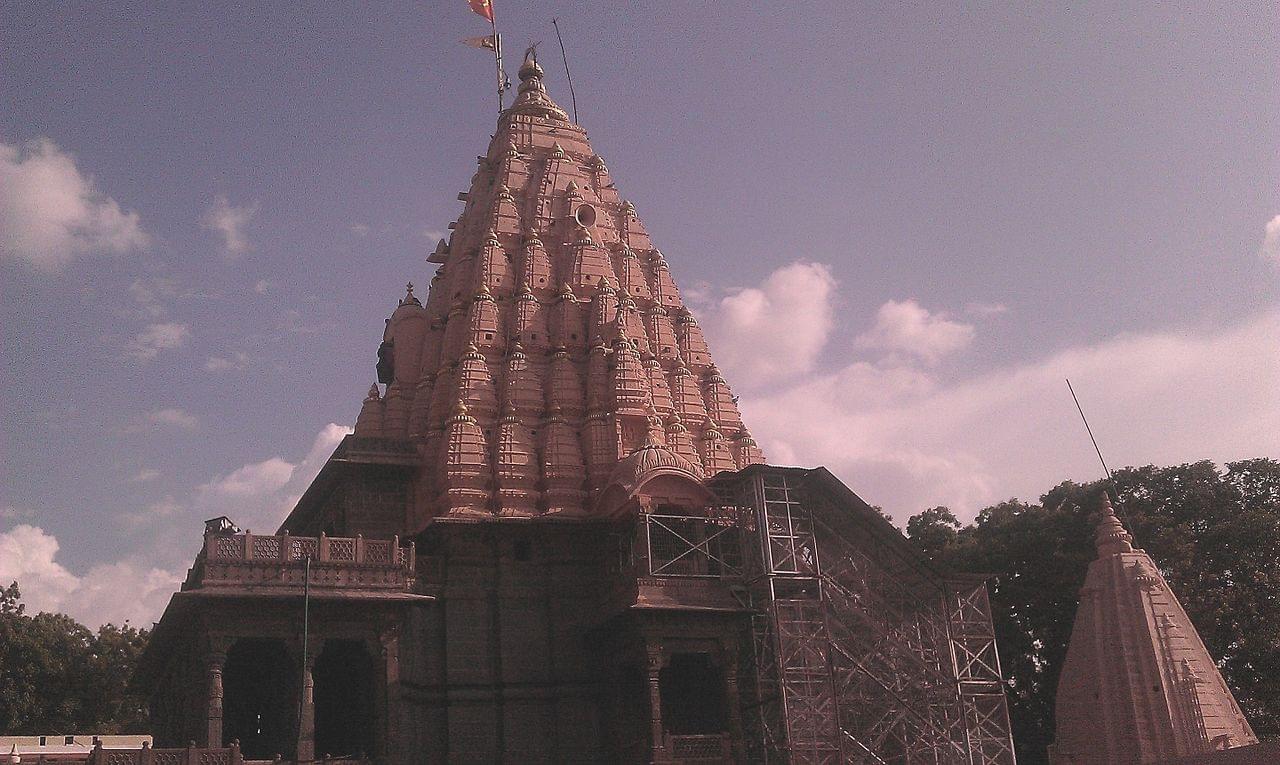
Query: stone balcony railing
[231, 560]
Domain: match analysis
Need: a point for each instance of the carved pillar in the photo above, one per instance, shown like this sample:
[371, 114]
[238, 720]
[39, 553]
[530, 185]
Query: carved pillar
[307, 710]
[658, 742]
[213, 699]
[387, 696]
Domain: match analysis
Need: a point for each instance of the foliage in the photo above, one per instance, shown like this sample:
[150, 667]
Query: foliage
[1215, 534]
[58, 677]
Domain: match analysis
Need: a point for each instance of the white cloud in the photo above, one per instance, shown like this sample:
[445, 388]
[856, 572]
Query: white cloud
[908, 327]
[145, 475]
[174, 417]
[360, 229]
[257, 478]
[50, 213]
[764, 334]
[230, 221]
[125, 590]
[259, 495]
[261, 286]
[161, 336]
[234, 361]
[1271, 241]
[904, 439]
[26, 556]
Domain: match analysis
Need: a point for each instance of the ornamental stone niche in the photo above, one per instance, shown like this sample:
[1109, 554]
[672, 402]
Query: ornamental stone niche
[552, 538]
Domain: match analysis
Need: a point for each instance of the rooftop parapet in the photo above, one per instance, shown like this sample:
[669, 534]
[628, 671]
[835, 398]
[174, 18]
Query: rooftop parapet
[237, 562]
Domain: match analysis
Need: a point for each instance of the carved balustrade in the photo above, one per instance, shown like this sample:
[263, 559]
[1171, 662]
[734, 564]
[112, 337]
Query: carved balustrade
[230, 559]
[191, 755]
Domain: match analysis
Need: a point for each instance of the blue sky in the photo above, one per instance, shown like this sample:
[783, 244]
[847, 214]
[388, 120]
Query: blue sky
[902, 225]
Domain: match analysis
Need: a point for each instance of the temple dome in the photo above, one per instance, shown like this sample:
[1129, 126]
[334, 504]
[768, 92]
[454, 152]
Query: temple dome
[649, 460]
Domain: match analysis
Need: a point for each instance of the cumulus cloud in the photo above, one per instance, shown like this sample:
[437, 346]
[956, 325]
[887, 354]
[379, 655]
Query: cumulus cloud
[161, 336]
[260, 494]
[26, 556]
[116, 592]
[908, 327]
[1271, 241]
[257, 478]
[230, 221]
[905, 439]
[145, 475]
[765, 334]
[51, 213]
[173, 417]
[257, 495]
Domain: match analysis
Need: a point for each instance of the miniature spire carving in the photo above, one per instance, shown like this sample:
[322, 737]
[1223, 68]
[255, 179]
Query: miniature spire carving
[466, 465]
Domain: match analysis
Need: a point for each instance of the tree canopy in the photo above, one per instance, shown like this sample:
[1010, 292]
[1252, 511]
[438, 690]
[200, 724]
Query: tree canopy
[1215, 534]
[56, 676]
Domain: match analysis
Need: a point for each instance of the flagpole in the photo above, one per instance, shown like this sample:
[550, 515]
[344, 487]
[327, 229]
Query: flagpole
[497, 54]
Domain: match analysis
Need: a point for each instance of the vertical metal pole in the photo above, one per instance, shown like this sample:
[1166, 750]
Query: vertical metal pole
[302, 674]
[567, 76]
[497, 56]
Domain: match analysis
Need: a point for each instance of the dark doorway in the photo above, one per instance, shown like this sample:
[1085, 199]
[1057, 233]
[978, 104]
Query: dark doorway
[692, 691]
[344, 699]
[259, 683]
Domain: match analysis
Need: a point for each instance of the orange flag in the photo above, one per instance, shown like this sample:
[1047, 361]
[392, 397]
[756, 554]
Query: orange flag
[482, 7]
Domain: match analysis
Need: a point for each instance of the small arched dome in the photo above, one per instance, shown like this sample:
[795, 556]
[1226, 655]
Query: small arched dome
[650, 462]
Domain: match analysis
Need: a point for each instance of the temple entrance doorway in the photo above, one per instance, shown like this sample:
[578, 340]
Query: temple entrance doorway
[344, 691]
[691, 687]
[259, 684]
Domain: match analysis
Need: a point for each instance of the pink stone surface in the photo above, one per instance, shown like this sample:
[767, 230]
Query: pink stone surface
[1138, 685]
[553, 341]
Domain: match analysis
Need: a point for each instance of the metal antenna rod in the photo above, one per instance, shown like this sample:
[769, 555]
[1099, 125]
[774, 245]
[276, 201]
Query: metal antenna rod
[1089, 430]
[572, 96]
[306, 613]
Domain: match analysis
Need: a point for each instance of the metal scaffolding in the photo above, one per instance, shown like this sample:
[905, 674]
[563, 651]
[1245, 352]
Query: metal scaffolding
[860, 653]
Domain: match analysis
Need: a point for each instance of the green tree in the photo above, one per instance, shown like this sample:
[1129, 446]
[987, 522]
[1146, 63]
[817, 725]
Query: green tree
[57, 676]
[1215, 535]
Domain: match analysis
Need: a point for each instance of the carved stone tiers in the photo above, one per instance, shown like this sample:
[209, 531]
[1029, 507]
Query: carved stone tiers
[549, 291]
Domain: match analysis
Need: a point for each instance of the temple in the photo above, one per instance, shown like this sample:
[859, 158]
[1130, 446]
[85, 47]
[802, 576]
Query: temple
[1138, 685]
[551, 538]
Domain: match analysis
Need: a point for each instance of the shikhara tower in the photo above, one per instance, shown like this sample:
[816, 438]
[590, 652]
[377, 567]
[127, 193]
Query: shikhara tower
[551, 538]
[553, 341]
[1138, 685]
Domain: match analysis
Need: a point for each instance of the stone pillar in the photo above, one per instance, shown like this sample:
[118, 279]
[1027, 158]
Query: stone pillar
[307, 708]
[658, 743]
[213, 699]
[387, 697]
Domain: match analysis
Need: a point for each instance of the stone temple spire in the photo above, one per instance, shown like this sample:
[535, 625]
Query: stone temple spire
[1138, 685]
[556, 325]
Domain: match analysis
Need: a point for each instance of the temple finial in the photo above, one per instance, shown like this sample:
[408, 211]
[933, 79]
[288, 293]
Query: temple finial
[409, 298]
[1111, 536]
